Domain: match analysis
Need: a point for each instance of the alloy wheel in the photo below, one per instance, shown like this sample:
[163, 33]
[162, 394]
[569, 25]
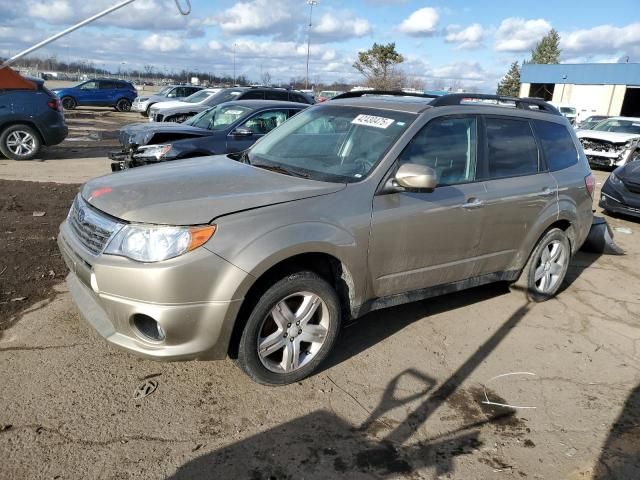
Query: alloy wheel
[293, 332]
[549, 267]
[21, 143]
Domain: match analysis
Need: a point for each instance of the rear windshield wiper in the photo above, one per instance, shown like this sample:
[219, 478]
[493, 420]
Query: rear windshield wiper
[274, 168]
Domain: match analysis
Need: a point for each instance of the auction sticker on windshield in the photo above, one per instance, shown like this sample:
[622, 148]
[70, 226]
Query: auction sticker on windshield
[372, 121]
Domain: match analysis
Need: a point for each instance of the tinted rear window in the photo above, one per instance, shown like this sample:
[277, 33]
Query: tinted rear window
[512, 149]
[557, 145]
[276, 95]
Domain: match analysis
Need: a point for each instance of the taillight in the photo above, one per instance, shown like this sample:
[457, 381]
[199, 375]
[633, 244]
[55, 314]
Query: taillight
[54, 104]
[590, 182]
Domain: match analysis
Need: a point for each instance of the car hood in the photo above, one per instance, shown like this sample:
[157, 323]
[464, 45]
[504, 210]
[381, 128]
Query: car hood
[630, 172]
[172, 104]
[150, 133]
[614, 137]
[196, 191]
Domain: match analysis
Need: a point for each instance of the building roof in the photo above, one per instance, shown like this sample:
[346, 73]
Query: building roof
[582, 73]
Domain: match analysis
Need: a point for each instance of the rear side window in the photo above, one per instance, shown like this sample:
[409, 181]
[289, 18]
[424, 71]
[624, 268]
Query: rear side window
[275, 95]
[511, 148]
[253, 95]
[296, 97]
[557, 145]
[448, 145]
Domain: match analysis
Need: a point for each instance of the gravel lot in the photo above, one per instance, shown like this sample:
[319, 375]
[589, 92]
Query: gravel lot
[400, 398]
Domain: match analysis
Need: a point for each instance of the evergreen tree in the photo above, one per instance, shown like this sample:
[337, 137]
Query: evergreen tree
[378, 64]
[509, 86]
[547, 50]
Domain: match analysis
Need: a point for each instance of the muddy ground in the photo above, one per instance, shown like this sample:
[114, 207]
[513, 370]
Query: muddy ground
[401, 397]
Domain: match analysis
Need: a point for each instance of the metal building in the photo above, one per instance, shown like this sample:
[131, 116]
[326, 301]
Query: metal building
[592, 88]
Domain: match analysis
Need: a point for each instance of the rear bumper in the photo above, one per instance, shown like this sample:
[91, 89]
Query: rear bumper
[54, 133]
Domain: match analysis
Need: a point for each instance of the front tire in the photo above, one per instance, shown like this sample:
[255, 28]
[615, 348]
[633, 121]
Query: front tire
[546, 268]
[291, 330]
[123, 105]
[69, 103]
[20, 142]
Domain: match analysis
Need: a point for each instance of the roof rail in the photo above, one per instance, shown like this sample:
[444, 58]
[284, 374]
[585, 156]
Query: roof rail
[396, 93]
[522, 103]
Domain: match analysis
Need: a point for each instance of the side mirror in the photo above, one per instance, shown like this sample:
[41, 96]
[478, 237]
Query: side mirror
[242, 132]
[416, 177]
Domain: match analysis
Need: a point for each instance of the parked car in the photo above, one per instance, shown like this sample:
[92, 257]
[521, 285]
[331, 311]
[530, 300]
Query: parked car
[621, 192]
[590, 122]
[181, 110]
[179, 113]
[351, 206]
[226, 128]
[99, 92]
[613, 142]
[29, 119]
[142, 104]
[325, 95]
[567, 111]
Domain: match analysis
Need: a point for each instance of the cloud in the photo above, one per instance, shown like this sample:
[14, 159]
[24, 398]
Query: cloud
[603, 39]
[422, 22]
[467, 38]
[162, 43]
[256, 17]
[466, 71]
[334, 26]
[520, 35]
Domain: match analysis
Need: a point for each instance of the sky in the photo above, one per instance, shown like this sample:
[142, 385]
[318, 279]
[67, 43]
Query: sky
[454, 42]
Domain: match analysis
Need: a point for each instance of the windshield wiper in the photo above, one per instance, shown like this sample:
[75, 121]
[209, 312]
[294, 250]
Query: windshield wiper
[278, 169]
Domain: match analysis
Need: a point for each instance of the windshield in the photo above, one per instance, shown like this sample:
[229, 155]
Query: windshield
[618, 125]
[197, 97]
[164, 90]
[218, 118]
[331, 143]
[224, 96]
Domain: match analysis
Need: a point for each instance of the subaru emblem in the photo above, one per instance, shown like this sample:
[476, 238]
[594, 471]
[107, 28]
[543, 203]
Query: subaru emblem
[81, 215]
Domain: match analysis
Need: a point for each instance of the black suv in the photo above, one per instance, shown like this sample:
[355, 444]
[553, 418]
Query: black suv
[29, 118]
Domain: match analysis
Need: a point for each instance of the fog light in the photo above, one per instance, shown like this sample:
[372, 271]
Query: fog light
[148, 328]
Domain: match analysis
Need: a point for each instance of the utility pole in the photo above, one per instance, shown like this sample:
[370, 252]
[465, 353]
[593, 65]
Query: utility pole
[311, 3]
[234, 62]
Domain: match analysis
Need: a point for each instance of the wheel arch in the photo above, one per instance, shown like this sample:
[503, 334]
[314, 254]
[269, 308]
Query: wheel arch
[28, 123]
[326, 265]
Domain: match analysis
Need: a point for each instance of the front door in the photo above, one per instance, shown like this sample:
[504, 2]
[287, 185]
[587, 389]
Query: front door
[88, 94]
[419, 240]
[519, 190]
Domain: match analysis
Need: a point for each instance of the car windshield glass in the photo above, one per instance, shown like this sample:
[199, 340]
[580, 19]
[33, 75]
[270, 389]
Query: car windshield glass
[617, 125]
[164, 91]
[331, 143]
[224, 96]
[567, 110]
[197, 97]
[218, 118]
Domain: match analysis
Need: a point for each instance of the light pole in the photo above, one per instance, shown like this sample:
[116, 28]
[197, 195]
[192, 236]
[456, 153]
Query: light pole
[234, 62]
[311, 3]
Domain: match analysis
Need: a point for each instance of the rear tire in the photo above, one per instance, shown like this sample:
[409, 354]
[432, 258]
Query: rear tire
[123, 105]
[20, 142]
[69, 103]
[291, 330]
[546, 268]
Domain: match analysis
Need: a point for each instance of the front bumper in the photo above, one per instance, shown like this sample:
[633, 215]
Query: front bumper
[615, 201]
[599, 158]
[178, 294]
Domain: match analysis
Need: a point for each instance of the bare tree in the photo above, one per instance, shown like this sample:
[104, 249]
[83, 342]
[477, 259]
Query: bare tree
[265, 78]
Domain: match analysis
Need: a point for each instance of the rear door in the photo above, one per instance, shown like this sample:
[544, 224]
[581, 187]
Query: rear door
[423, 239]
[520, 190]
[106, 93]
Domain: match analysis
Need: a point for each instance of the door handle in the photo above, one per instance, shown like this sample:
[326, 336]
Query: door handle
[473, 203]
[546, 192]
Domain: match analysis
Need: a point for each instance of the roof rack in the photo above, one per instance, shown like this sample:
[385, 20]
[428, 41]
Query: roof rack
[522, 103]
[395, 93]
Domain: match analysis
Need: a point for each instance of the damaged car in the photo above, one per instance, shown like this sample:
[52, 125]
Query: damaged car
[226, 128]
[621, 192]
[613, 142]
[181, 110]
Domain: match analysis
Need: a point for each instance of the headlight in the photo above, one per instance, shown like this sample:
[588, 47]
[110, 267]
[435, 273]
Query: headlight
[156, 243]
[155, 151]
[631, 143]
[614, 180]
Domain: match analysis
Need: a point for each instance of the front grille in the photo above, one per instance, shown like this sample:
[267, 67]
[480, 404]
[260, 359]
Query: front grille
[92, 229]
[157, 117]
[601, 146]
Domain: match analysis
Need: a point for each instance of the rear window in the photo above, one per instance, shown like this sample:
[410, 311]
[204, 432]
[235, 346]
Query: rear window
[512, 149]
[557, 145]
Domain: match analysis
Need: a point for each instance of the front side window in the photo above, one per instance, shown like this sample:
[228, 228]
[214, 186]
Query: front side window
[512, 149]
[218, 118]
[557, 145]
[264, 122]
[89, 86]
[332, 142]
[253, 95]
[448, 145]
